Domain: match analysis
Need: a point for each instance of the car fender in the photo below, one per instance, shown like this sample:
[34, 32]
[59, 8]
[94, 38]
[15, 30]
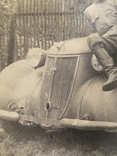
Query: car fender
[95, 103]
[17, 82]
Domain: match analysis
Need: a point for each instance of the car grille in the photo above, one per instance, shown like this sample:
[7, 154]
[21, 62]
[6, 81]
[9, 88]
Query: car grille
[57, 85]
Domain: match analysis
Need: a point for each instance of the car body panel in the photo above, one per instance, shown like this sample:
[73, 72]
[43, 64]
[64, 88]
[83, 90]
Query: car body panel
[71, 46]
[65, 93]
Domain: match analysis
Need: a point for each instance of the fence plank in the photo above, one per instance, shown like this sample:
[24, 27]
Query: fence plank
[40, 23]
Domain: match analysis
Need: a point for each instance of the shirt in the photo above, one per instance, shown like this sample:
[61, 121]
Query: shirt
[103, 17]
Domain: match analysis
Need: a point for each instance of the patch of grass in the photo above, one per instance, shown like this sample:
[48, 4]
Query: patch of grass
[64, 143]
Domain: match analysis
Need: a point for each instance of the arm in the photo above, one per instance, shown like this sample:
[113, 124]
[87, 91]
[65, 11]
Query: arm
[112, 30]
[115, 3]
[92, 26]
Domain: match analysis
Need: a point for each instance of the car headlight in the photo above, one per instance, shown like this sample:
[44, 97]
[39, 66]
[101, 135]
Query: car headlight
[95, 64]
[36, 57]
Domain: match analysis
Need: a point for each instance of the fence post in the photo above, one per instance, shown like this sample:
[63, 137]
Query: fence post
[12, 53]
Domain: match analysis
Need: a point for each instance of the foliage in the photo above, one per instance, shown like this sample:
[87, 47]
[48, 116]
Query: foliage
[38, 23]
[6, 8]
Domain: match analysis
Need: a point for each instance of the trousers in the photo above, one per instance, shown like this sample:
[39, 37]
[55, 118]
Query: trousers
[108, 43]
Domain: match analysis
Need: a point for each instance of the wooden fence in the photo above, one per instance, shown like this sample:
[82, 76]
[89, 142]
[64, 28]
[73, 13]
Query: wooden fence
[40, 23]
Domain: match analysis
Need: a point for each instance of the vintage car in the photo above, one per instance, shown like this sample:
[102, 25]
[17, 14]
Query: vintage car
[65, 92]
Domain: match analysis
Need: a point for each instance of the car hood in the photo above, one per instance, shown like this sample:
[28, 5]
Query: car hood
[72, 46]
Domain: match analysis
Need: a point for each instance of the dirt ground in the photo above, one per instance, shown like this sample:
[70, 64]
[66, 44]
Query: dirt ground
[64, 143]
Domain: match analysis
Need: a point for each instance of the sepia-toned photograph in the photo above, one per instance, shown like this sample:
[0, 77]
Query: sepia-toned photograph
[58, 77]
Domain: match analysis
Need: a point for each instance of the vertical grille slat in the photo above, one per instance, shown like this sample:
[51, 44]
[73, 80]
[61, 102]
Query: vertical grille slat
[46, 87]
